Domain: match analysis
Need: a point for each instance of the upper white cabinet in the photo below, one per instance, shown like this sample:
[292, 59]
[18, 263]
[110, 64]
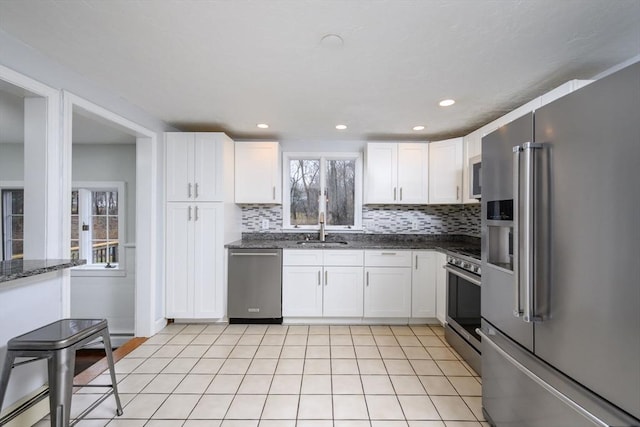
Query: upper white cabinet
[445, 171]
[472, 148]
[189, 167]
[397, 173]
[258, 170]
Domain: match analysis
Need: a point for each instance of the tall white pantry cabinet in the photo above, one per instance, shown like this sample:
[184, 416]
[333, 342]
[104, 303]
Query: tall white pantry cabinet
[201, 217]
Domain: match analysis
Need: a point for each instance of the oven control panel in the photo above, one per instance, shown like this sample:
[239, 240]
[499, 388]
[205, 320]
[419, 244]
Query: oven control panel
[464, 264]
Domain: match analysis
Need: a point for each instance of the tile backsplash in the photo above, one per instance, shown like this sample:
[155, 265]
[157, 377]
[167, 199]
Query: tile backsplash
[384, 219]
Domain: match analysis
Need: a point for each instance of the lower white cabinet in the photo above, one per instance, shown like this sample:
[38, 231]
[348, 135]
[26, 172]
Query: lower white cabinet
[441, 287]
[318, 289]
[423, 284]
[194, 260]
[387, 291]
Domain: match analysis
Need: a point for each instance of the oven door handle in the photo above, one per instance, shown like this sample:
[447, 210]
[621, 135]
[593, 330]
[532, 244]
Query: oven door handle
[464, 274]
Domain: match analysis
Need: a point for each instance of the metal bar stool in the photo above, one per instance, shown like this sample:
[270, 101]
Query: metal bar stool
[57, 342]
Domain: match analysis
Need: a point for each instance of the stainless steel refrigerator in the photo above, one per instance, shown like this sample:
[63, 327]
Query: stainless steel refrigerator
[561, 261]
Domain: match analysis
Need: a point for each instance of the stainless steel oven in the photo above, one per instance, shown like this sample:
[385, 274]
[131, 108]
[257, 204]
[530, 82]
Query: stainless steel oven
[463, 306]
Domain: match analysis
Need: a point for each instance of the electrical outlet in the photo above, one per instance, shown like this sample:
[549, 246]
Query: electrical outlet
[265, 224]
[414, 224]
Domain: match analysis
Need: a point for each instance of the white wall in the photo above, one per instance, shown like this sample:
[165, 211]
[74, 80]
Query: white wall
[11, 162]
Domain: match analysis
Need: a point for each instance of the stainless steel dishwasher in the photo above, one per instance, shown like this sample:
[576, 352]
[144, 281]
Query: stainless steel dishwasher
[255, 286]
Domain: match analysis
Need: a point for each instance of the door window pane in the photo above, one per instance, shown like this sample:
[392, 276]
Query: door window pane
[304, 191]
[12, 202]
[340, 184]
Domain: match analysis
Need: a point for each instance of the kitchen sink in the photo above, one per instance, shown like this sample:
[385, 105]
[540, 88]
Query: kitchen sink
[319, 244]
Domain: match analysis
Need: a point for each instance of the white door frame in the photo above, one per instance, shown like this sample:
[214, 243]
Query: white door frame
[148, 320]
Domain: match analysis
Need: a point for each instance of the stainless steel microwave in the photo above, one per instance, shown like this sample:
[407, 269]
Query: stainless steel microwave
[475, 177]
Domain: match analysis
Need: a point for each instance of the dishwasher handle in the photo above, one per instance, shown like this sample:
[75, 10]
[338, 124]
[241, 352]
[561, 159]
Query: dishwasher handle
[253, 254]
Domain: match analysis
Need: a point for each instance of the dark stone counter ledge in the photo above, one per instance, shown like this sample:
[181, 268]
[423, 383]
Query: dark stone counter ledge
[354, 241]
[18, 268]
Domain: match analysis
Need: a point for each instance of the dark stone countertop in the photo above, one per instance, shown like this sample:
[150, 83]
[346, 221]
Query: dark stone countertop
[18, 268]
[354, 241]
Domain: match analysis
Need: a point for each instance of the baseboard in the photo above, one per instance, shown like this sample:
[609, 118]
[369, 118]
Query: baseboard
[32, 415]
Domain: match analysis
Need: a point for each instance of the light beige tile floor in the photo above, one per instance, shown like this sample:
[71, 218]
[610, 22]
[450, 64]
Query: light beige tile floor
[290, 376]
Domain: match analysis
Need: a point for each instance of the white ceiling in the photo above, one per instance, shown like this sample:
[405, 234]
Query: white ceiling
[228, 65]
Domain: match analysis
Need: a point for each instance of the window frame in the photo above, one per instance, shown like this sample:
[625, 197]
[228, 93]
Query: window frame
[93, 186]
[323, 157]
[8, 185]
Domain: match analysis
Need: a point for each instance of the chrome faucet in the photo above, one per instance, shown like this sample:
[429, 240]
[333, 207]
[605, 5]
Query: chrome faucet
[323, 234]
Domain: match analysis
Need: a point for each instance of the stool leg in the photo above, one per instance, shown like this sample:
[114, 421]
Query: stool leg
[6, 373]
[114, 382]
[61, 370]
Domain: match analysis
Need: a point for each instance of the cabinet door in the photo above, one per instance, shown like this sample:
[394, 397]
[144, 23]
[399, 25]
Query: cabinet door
[179, 264]
[302, 291]
[441, 287]
[179, 166]
[445, 171]
[208, 260]
[343, 292]
[387, 292]
[208, 168]
[423, 284]
[257, 172]
[413, 173]
[381, 173]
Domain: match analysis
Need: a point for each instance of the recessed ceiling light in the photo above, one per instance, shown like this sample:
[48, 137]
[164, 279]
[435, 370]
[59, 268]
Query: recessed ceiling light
[341, 127]
[447, 102]
[332, 41]
[263, 126]
[418, 127]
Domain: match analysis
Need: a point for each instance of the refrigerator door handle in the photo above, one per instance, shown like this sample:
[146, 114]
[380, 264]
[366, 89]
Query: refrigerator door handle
[517, 311]
[548, 387]
[524, 228]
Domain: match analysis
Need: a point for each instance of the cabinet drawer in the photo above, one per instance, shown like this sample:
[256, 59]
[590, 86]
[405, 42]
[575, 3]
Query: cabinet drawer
[344, 257]
[388, 258]
[302, 257]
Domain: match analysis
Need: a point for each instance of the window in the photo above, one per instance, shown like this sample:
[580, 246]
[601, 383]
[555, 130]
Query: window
[12, 204]
[97, 224]
[329, 184]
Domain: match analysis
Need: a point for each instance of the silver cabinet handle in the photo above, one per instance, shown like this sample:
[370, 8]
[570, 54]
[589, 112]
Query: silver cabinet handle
[416, 262]
[326, 278]
[274, 192]
[189, 216]
[319, 279]
[394, 193]
[457, 192]
[196, 189]
[388, 253]
[196, 215]
[400, 193]
[367, 278]
[189, 190]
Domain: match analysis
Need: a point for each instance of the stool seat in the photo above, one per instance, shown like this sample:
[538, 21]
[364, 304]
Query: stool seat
[58, 335]
[57, 342]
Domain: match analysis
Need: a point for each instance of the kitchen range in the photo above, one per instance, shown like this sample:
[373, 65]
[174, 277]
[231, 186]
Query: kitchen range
[560, 235]
[463, 303]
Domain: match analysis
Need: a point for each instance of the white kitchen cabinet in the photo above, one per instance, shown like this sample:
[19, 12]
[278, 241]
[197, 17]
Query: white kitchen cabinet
[445, 171]
[258, 173]
[317, 283]
[387, 291]
[423, 284]
[302, 291]
[190, 172]
[194, 253]
[472, 148]
[441, 287]
[397, 173]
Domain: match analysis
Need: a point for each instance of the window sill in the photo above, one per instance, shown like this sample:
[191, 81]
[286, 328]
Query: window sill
[98, 271]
